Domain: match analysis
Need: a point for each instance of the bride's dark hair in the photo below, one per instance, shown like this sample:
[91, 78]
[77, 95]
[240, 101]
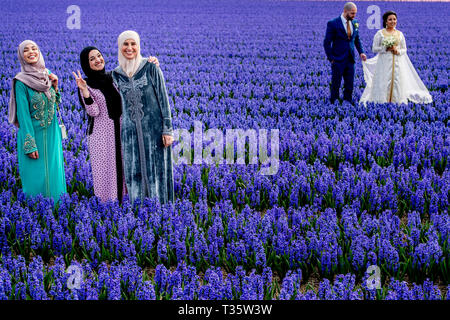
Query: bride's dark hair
[386, 15]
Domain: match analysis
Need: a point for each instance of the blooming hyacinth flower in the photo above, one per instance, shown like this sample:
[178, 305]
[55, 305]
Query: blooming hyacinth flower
[59, 289]
[213, 288]
[20, 291]
[398, 290]
[161, 278]
[342, 289]
[5, 284]
[389, 255]
[253, 288]
[431, 291]
[35, 279]
[290, 286]
[162, 250]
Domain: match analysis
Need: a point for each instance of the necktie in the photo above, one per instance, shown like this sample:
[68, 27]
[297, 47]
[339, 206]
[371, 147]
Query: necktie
[349, 31]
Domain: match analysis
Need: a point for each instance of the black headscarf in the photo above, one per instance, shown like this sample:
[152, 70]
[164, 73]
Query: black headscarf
[103, 81]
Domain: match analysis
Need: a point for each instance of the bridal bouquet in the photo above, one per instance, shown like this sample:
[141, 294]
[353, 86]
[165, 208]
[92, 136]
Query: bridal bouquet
[389, 41]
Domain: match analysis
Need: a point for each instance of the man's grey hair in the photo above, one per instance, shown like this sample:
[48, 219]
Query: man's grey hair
[349, 6]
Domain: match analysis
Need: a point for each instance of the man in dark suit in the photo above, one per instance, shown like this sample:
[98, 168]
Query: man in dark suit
[341, 38]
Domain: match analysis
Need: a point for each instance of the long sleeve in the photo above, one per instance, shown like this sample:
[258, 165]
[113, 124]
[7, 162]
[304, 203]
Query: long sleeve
[329, 36]
[163, 98]
[402, 45]
[377, 46]
[358, 44]
[24, 118]
[90, 105]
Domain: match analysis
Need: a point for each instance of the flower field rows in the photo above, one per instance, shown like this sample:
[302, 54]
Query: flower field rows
[355, 186]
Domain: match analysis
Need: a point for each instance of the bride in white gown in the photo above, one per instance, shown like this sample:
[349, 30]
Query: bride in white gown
[390, 75]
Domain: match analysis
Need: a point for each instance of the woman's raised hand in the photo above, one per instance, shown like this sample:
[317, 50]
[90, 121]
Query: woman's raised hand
[153, 60]
[81, 83]
[54, 79]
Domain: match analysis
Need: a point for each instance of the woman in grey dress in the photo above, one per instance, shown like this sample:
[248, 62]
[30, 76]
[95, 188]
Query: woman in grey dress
[147, 132]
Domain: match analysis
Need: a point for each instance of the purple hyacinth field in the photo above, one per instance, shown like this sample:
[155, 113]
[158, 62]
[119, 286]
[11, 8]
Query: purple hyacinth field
[358, 206]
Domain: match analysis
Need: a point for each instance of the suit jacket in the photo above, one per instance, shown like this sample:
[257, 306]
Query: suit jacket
[336, 43]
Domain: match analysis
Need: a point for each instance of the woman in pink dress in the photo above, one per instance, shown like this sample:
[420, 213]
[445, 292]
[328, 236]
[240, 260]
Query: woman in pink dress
[103, 105]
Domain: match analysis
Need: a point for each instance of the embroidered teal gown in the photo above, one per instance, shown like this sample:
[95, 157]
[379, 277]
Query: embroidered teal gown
[39, 130]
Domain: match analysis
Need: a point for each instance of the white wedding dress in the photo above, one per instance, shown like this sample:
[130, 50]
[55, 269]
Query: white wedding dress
[392, 78]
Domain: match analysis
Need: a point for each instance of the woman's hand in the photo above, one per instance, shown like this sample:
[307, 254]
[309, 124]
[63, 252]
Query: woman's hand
[54, 79]
[394, 50]
[81, 83]
[167, 140]
[154, 60]
[33, 155]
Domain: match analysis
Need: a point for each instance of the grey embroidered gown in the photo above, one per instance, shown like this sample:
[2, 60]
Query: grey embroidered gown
[146, 116]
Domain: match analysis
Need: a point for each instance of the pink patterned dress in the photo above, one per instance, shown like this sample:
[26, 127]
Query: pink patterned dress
[102, 144]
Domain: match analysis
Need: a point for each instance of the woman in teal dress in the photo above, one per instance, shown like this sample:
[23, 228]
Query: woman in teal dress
[32, 108]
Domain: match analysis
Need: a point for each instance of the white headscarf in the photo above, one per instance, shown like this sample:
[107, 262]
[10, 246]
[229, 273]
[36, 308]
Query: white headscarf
[129, 66]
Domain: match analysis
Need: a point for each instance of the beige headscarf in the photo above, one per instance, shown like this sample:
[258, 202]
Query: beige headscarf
[33, 75]
[129, 66]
